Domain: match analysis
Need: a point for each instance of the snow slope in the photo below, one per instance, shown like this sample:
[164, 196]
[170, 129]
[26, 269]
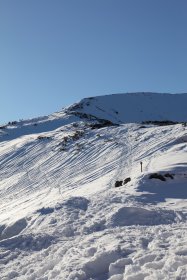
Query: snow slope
[136, 107]
[61, 216]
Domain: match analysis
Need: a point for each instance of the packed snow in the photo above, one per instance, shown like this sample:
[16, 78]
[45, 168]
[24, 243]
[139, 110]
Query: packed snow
[62, 216]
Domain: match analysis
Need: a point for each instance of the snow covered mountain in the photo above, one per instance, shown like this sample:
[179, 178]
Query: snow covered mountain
[74, 204]
[136, 107]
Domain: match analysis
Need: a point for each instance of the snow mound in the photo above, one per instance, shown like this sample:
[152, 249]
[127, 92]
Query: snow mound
[77, 203]
[128, 216]
[27, 242]
[118, 267]
[13, 229]
[99, 264]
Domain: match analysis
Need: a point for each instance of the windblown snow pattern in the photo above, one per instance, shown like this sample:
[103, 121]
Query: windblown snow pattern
[62, 214]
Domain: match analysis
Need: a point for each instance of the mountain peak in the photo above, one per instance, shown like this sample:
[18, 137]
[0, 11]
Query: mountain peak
[135, 107]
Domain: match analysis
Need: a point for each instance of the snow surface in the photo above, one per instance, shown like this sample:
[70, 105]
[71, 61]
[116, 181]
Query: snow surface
[136, 107]
[61, 216]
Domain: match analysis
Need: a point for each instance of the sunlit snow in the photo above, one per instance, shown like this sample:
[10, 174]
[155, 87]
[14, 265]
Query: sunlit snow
[61, 216]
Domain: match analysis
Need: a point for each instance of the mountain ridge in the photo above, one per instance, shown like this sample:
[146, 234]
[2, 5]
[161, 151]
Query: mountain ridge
[179, 98]
[136, 107]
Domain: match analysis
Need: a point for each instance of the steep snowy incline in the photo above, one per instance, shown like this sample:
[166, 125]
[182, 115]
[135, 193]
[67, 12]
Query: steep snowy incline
[61, 216]
[135, 107]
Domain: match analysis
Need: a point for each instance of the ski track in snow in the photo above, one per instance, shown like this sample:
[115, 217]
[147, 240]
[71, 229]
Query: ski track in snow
[62, 218]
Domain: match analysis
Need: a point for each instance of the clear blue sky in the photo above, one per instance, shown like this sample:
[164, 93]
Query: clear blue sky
[55, 52]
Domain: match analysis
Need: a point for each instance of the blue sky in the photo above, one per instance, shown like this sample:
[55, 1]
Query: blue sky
[55, 52]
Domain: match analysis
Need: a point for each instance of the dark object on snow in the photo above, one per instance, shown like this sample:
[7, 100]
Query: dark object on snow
[141, 165]
[75, 124]
[12, 123]
[142, 126]
[160, 123]
[168, 175]
[45, 211]
[3, 127]
[157, 176]
[118, 184]
[41, 137]
[77, 135]
[103, 123]
[127, 180]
